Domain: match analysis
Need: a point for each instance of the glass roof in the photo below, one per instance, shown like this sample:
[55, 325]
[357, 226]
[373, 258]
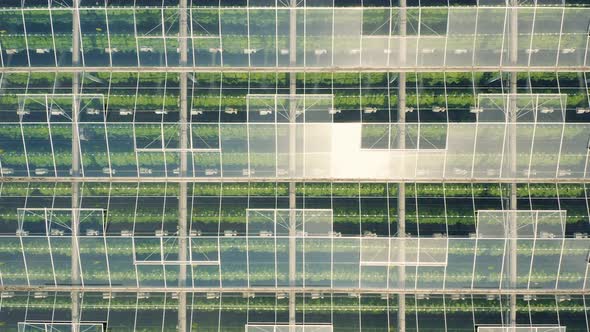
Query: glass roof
[344, 240]
[329, 36]
[261, 261]
[294, 165]
[450, 151]
[127, 126]
[152, 311]
[142, 208]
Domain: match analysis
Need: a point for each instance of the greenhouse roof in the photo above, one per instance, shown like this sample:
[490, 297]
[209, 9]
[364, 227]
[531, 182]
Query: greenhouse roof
[294, 165]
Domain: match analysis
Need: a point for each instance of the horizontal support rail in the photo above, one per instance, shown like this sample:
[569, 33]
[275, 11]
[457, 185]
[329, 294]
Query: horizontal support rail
[285, 179]
[177, 263]
[262, 290]
[412, 69]
[177, 150]
[408, 264]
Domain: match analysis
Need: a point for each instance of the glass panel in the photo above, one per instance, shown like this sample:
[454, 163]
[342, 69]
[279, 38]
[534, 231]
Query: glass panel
[546, 37]
[61, 259]
[123, 44]
[526, 26]
[545, 265]
[461, 36]
[93, 261]
[572, 159]
[38, 259]
[573, 267]
[317, 262]
[262, 150]
[262, 42]
[39, 149]
[14, 163]
[524, 264]
[573, 38]
[262, 261]
[234, 27]
[40, 39]
[61, 137]
[346, 258]
[121, 147]
[121, 261]
[347, 29]
[234, 147]
[489, 40]
[206, 39]
[461, 260]
[234, 262]
[459, 154]
[95, 38]
[490, 255]
[15, 52]
[488, 148]
[547, 142]
[319, 31]
[93, 144]
[151, 44]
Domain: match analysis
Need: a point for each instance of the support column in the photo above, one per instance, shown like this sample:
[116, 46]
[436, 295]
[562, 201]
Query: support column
[512, 116]
[292, 164]
[401, 190]
[183, 167]
[75, 260]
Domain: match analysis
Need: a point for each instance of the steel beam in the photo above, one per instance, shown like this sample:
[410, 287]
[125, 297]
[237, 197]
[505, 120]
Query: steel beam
[292, 164]
[183, 167]
[401, 188]
[512, 116]
[75, 200]
[298, 69]
[298, 290]
[283, 179]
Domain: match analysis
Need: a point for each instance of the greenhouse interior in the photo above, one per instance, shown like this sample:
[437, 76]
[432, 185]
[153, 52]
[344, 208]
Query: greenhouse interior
[294, 165]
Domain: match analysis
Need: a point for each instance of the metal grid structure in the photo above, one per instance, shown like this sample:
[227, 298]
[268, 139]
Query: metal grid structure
[372, 311]
[271, 165]
[328, 36]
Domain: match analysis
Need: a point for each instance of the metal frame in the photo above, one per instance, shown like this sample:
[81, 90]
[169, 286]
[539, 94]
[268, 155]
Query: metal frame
[55, 326]
[412, 59]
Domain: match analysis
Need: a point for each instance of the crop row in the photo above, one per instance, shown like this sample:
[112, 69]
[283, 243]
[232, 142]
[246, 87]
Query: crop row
[238, 276]
[280, 189]
[235, 162]
[215, 102]
[565, 190]
[336, 304]
[229, 80]
[239, 132]
[269, 44]
[422, 214]
[235, 19]
[121, 248]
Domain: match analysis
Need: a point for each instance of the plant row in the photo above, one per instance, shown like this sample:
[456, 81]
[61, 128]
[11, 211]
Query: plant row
[311, 190]
[366, 81]
[212, 103]
[336, 304]
[261, 164]
[121, 249]
[422, 214]
[236, 275]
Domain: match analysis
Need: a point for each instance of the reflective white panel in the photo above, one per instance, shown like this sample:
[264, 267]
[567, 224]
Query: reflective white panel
[527, 224]
[404, 251]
